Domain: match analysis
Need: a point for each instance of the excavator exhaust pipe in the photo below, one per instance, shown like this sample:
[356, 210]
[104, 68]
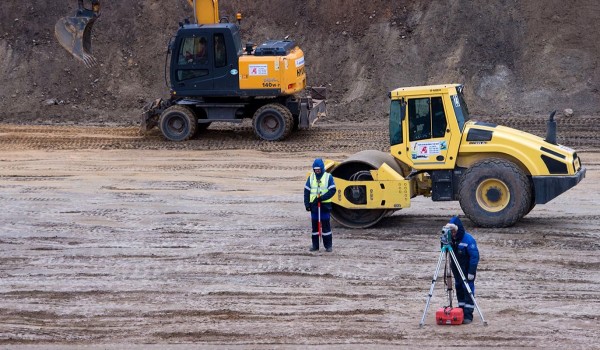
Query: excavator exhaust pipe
[75, 33]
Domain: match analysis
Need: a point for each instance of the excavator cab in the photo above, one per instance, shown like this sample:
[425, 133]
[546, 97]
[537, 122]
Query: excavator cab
[75, 33]
[204, 60]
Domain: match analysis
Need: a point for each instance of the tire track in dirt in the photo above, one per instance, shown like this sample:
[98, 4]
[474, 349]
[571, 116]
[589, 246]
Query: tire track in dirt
[579, 133]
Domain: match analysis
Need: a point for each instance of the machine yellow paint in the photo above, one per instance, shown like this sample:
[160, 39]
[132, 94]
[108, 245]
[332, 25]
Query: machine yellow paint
[498, 174]
[388, 190]
[285, 73]
[205, 11]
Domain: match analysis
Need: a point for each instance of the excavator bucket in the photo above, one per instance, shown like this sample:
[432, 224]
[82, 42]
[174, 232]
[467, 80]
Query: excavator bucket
[75, 33]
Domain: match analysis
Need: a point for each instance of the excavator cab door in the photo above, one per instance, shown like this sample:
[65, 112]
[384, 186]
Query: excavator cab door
[191, 62]
[204, 62]
[75, 33]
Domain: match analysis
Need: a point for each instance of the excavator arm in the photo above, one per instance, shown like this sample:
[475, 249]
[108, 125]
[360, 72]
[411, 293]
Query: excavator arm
[205, 11]
[74, 33]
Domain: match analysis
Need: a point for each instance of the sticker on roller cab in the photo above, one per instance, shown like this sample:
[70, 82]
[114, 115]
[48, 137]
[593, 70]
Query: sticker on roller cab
[258, 69]
[455, 100]
[422, 150]
[300, 61]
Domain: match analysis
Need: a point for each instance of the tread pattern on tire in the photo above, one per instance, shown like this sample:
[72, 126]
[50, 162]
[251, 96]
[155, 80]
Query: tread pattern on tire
[288, 121]
[191, 119]
[512, 176]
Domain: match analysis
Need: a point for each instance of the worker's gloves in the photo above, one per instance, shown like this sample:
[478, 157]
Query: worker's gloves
[308, 208]
[471, 277]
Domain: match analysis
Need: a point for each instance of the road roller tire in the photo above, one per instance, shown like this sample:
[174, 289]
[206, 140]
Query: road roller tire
[178, 123]
[356, 168]
[495, 193]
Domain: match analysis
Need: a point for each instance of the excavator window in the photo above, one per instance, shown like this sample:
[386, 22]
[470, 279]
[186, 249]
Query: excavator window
[192, 58]
[220, 51]
[193, 51]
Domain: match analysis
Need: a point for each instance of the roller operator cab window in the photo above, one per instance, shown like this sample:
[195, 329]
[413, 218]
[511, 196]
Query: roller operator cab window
[192, 57]
[426, 118]
[396, 116]
[460, 108]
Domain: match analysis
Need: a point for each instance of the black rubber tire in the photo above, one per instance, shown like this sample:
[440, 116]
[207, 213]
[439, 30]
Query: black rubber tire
[494, 193]
[532, 205]
[178, 123]
[272, 122]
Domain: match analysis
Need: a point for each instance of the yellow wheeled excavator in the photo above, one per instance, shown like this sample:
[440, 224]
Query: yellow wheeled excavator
[213, 77]
[498, 174]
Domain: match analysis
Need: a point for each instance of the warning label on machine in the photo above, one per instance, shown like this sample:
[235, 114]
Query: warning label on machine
[422, 150]
[258, 69]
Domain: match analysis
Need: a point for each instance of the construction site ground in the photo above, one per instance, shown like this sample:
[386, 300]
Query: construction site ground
[109, 237]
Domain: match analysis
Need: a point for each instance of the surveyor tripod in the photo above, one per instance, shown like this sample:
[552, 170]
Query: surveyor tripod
[444, 253]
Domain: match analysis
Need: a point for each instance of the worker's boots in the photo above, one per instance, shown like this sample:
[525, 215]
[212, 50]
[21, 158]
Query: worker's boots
[328, 242]
[468, 315]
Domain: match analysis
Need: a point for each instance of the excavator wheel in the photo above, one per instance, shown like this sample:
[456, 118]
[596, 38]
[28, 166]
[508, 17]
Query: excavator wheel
[495, 193]
[178, 123]
[357, 168]
[273, 122]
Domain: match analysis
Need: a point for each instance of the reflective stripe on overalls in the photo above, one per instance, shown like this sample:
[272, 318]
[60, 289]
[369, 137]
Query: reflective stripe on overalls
[320, 186]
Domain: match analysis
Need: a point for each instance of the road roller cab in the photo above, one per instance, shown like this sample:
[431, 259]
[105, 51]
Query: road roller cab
[498, 174]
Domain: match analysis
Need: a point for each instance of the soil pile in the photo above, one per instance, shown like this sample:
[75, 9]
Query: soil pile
[515, 57]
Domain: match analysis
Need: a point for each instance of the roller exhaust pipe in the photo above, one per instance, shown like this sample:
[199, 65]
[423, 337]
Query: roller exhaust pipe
[551, 129]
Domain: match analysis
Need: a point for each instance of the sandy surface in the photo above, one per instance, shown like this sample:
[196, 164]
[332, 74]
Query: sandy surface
[142, 244]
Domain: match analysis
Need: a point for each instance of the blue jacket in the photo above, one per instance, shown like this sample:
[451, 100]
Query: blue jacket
[465, 249]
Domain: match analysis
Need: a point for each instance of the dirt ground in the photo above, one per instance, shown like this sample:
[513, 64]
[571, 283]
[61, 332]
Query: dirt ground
[113, 239]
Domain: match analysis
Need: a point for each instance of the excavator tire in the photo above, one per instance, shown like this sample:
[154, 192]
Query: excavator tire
[273, 122]
[495, 193]
[178, 123]
[357, 167]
